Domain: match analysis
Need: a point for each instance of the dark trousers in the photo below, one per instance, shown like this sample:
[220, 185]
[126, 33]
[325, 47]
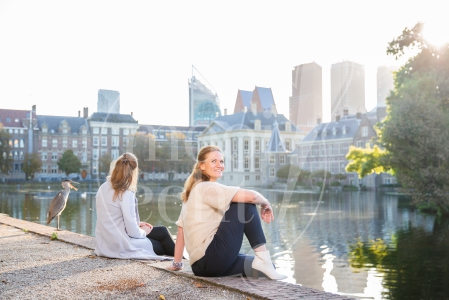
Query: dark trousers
[222, 257]
[162, 241]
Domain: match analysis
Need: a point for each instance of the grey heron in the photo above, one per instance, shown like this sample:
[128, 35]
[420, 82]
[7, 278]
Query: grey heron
[59, 202]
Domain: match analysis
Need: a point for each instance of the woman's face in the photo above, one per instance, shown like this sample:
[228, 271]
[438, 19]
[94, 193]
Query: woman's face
[213, 166]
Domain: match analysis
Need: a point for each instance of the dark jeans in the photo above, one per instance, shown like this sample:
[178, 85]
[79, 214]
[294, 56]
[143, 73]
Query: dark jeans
[162, 241]
[222, 257]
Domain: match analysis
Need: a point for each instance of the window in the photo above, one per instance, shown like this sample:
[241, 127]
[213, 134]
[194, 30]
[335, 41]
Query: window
[271, 159]
[114, 141]
[16, 155]
[114, 153]
[246, 163]
[234, 144]
[44, 129]
[21, 131]
[21, 155]
[257, 145]
[84, 143]
[282, 159]
[235, 162]
[96, 130]
[287, 145]
[54, 156]
[257, 163]
[44, 142]
[64, 143]
[44, 156]
[103, 152]
[246, 145]
[95, 141]
[74, 143]
[104, 130]
[246, 177]
[344, 130]
[360, 144]
[95, 154]
[83, 157]
[364, 131]
[54, 169]
[126, 132]
[334, 131]
[64, 130]
[16, 143]
[115, 131]
[344, 148]
[22, 143]
[272, 174]
[257, 177]
[334, 167]
[331, 150]
[315, 150]
[125, 142]
[54, 143]
[44, 169]
[104, 141]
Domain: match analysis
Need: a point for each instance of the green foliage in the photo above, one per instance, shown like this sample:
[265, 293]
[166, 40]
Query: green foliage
[321, 174]
[31, 164]
[6, 160]
[288, 171]
[54, 236]
[69, 163]
[413, 140]
[367, 161]
[415, 133]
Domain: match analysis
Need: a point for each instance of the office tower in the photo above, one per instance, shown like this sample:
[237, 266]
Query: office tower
[347, 88]
[385, 83]
[204, 105]
[306, 102]
[108, 101]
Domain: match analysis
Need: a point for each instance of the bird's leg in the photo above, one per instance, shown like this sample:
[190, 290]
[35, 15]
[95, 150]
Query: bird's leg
[57, 228]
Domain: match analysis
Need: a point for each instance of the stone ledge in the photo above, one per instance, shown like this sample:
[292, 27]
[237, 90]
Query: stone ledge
[261, 288]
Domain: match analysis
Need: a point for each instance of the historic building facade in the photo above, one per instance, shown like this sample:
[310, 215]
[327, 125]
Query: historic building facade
[21, 125]
[244, 137]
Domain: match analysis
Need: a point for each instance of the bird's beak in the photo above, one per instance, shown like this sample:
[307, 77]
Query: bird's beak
[71, 186]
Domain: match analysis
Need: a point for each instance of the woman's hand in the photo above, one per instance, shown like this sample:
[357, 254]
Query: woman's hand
[172, 268]
[266, 213]
[146, 226]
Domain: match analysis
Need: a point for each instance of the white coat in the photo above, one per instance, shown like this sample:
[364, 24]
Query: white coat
[117, 232]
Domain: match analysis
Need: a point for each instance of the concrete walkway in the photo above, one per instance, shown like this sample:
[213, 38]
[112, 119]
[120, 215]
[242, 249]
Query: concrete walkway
[32, 266]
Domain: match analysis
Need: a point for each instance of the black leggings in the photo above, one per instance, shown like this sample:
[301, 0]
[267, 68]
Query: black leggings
[162, 241]
[222, 257]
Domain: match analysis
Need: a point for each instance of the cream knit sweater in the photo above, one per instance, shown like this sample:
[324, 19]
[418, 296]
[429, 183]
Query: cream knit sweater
[201, 215]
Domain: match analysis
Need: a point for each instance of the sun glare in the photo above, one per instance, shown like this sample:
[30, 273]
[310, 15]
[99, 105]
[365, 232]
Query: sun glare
[436, 34]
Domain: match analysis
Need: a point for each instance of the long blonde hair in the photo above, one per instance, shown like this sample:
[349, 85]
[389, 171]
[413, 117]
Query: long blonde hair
[124, 175]
[197, 175]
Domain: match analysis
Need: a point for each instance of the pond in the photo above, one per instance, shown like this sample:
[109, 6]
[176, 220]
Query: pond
[365, 245]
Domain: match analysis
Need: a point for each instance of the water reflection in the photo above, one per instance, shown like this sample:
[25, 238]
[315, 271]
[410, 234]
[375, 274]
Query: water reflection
[360, 244]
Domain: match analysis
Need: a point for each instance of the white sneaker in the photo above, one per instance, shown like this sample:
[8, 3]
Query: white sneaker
[262, 262]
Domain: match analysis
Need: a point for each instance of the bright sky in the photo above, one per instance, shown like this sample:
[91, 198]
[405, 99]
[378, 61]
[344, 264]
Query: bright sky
[58, 54]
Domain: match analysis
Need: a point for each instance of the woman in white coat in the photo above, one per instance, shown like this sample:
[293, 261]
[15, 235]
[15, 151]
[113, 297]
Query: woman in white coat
[119, 232]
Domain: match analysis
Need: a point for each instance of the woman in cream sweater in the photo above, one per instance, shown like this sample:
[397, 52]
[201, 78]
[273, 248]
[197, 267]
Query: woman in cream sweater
[213, 220]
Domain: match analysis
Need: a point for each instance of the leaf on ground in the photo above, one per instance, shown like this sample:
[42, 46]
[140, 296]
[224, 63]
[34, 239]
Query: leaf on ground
[162, 297]
[91, 256]
[198, 285]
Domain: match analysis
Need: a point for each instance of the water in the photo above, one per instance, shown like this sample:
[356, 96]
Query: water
[362, 244]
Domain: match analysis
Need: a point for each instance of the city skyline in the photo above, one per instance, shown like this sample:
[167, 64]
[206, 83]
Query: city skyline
[52, 60]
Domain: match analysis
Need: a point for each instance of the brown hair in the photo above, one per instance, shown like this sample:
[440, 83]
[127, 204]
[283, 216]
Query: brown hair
[124, 175]
[197, 175]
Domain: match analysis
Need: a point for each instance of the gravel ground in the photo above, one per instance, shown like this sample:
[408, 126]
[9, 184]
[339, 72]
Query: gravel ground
[34, 267]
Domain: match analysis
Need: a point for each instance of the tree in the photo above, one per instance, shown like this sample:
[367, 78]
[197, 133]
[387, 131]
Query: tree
[321, 175]
[288, 171]
[414, 135]
[69, 163]
[104, 163]
[31, 164]
[366, 161]
[6, 160]
[340, 177]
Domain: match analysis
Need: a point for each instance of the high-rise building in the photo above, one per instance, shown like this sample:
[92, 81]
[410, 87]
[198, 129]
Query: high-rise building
[306, 102]
[204, 105]
[108, 101]
[347, 88]
[385, 83]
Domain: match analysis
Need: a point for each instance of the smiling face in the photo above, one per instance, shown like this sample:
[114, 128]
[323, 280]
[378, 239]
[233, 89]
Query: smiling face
[213, 165]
